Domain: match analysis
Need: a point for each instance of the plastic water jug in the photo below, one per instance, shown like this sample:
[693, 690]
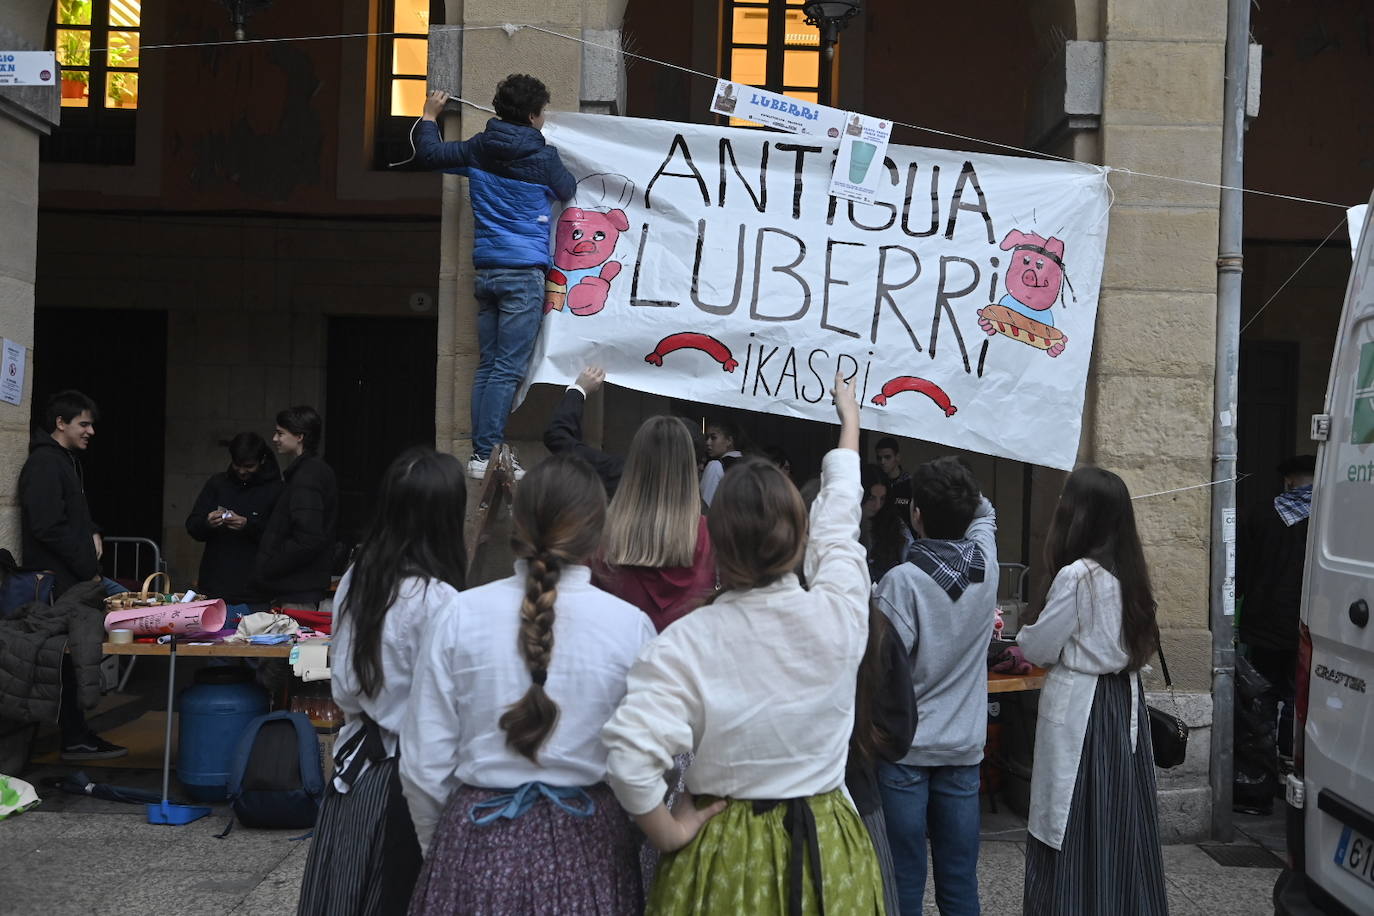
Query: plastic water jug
[213, 714]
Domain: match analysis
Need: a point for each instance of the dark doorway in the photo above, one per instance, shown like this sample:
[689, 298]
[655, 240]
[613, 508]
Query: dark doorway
[118, 357]
[379, 392]
[1267, 404]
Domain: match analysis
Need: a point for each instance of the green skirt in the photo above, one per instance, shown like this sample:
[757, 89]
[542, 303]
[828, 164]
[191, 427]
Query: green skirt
[738, 864]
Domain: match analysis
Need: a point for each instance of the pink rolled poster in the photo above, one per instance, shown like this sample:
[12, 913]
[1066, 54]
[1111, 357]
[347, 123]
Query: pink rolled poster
[181, 619]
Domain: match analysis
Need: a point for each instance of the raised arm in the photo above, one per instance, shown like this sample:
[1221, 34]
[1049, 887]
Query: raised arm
[564, 432]
[835, 560]
[430, 149]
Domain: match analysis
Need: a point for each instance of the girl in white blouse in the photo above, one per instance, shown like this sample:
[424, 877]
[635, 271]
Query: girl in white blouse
[501, 758]
[1094, 828]
[760, 685]
[365, 857]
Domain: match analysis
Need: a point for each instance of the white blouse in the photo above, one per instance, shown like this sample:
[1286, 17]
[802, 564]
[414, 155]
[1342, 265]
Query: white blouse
[1078, 635]
[472, 671]
[418, 601]
[761, 683]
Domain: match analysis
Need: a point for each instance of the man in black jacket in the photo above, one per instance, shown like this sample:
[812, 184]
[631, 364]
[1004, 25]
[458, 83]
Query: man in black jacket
[59, 535]
[296, 553]
[564, 433]
[230, 516]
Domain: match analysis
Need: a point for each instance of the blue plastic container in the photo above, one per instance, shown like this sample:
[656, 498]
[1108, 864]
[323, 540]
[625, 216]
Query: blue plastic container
[213, 714]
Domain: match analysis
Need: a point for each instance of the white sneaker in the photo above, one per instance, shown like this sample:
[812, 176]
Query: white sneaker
[477, 467]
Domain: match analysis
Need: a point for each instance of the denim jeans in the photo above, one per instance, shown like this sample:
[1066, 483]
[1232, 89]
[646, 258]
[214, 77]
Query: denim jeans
[510, 306]
[940, 803]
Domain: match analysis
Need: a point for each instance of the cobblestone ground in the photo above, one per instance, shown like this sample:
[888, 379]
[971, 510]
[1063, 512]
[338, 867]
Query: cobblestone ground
[80, 856]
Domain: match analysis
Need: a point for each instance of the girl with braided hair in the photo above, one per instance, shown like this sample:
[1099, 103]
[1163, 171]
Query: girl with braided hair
[501, 759]
[760, 686]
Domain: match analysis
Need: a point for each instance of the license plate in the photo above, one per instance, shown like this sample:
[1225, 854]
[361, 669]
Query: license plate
[1355, 854]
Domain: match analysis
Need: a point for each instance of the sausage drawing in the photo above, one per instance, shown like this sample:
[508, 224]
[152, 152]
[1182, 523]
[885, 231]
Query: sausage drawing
[912, 383]
[691, 340]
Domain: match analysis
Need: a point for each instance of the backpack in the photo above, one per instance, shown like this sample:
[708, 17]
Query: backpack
[19, 586]
[276, 779]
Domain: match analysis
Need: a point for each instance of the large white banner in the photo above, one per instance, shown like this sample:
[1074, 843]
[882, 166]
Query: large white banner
[711, 264]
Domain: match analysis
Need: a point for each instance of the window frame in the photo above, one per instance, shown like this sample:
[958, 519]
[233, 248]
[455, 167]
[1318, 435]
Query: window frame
[95, 133]
[775, 48]
[391, 133]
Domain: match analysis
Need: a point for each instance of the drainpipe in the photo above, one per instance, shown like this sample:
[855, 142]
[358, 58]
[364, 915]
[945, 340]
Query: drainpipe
[446, 72]
[1229, 267]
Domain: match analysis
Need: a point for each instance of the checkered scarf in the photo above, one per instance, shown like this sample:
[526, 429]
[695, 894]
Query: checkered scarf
[953, 565]
[1294, 505]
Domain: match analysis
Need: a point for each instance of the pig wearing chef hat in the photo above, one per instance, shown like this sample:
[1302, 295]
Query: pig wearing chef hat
[582, 271]
[1034, 279]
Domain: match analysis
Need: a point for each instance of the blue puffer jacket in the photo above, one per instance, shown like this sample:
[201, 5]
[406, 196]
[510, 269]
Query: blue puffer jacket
[513, 177]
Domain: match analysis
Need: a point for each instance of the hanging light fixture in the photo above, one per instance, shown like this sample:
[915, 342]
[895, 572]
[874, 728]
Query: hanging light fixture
[829, 16]
[240, 10]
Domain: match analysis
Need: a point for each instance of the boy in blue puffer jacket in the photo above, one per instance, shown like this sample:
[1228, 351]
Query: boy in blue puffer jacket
[513, 177]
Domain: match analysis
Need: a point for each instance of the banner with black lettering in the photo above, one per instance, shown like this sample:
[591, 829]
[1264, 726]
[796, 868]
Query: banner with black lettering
[711, 264]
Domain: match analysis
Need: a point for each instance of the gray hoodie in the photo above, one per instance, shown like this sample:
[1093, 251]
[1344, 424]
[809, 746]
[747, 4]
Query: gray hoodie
[950, 638]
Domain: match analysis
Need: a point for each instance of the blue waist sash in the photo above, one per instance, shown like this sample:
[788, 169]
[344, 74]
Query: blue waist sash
[515, 802]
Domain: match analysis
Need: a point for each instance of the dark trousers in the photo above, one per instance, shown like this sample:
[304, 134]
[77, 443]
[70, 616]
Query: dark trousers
[1279, 667]
[71, 720]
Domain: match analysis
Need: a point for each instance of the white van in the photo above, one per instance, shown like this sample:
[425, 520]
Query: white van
[1331, 792]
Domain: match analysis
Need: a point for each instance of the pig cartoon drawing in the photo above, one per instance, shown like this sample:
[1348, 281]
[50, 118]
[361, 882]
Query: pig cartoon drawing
[1034, 280]
[582, 269]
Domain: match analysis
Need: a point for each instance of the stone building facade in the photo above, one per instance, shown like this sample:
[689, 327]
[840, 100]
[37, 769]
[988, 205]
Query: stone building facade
[26, 113]
[255, 250]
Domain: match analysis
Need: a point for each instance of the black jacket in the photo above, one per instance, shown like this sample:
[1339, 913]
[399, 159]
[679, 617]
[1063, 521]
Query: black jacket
[564, 434]
[226, 567]
[58, 530]
[33, 645]
[296, 552]
[1270, 564]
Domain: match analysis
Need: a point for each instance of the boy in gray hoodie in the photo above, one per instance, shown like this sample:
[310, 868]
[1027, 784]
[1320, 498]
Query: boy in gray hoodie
[942, 602]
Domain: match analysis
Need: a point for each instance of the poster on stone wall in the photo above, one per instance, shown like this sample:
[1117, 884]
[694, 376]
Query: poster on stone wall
[711, 264]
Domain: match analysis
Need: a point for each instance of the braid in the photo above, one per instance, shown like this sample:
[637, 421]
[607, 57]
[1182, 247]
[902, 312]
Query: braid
[529, 721]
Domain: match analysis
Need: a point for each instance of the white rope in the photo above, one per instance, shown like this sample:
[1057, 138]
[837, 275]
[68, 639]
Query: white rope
[511, 28]
[1319, 247]
[1196, 486]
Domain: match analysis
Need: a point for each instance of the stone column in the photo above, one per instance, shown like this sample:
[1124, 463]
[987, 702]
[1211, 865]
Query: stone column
[1149, 416]
[585, 77]
[26, 112]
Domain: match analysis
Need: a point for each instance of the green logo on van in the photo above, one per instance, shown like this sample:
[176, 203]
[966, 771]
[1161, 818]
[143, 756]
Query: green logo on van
[1362, 423]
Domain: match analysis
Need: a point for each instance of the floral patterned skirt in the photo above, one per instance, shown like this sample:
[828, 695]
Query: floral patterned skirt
[544, 861]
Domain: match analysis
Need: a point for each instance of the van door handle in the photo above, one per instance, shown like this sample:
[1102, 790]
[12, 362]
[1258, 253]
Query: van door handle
[1359, 613]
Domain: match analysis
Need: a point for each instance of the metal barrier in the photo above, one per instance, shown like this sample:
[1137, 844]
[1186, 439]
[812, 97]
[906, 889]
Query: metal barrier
[143, 557]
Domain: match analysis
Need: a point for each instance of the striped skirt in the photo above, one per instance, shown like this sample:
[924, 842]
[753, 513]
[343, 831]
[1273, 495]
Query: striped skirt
[364, 857]
[1110, 861]
[544, 861]
[877, 832]
[738, 864]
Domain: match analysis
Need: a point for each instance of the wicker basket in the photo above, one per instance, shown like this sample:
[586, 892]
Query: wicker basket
[144, 598]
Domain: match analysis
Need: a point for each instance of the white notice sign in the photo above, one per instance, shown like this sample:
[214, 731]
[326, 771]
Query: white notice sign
[772, 109]
[28, 68]
[12, 373]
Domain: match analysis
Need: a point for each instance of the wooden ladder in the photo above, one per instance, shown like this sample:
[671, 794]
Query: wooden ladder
[498, 487]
